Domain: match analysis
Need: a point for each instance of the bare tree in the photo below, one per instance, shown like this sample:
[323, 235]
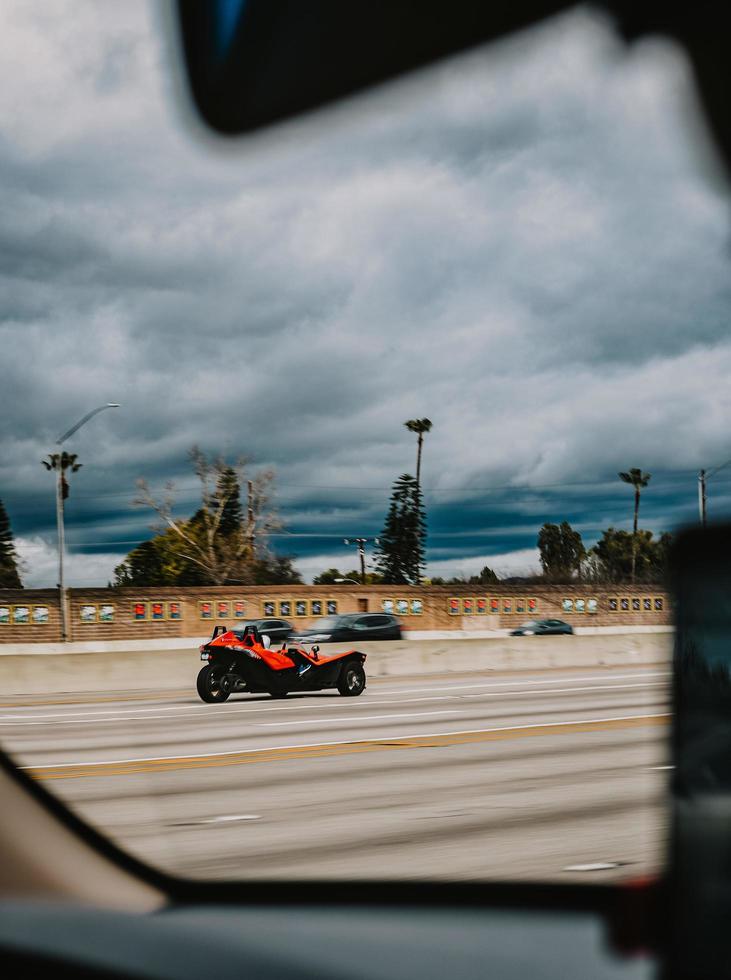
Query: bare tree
[220, 556]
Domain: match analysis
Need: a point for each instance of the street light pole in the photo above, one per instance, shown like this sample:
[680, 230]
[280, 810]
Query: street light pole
[60, 517]
[702, 497]
[61, 550]
[89, 415]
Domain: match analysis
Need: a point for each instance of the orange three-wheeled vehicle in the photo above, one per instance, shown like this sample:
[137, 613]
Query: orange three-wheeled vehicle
[243, 661]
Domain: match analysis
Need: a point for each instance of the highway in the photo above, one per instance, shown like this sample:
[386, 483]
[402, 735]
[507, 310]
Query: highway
[555, 774]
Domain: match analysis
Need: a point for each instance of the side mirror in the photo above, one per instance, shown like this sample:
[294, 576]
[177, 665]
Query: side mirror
[315, 650]
[700, 843]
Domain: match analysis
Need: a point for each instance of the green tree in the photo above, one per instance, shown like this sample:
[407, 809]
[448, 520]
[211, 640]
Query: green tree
[561, 551]
[228, 493]
[420, 427]
[218, 545]
[400, 554]
[663, 548]
[217, 541]
[610, 560]
[183, 553]
[161, 561]
[9, 574]
[486, 577]
[638, 480]
[621, 556]
[143, 566]
[275, 570]
[330, 576]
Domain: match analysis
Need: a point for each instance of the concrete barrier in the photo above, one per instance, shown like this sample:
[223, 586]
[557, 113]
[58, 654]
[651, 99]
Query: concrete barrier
[516, 653]
[27, 671]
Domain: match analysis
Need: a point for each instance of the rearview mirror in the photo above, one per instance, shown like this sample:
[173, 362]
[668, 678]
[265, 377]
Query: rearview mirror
[250, 63]
[253, 62]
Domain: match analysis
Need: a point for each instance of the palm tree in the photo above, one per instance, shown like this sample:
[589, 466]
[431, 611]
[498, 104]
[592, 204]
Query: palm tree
[62, 462]
[420, 426]
[639, 480]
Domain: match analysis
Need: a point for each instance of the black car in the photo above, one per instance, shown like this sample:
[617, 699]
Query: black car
[278, 630]
[352, 626]
[543, 627]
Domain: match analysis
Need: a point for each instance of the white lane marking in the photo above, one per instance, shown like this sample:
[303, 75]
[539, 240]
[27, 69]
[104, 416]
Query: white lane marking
[350, 719]
[556, 690]
[348, 741]
[437, 686]
[535, 681]
[231, 819]
[597, 866]
[196, 711]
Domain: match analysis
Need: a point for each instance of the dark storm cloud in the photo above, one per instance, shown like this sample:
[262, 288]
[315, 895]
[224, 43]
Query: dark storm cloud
[517, 244]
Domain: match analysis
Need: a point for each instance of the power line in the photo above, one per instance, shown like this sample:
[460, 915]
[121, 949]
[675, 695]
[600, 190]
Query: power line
[496, 488]
[717, 468]
[323, 535]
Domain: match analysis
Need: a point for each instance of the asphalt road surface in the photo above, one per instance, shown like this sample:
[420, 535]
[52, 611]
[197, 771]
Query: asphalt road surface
[556, 775]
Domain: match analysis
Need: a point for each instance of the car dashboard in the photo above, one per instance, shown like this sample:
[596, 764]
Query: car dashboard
[362, 943]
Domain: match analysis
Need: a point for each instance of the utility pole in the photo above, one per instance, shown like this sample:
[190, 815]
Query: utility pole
[250, 514]
[702, 497]
[703, 478]
[361, 543]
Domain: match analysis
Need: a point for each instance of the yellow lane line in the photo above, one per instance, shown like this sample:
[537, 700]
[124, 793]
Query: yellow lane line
[288, 753]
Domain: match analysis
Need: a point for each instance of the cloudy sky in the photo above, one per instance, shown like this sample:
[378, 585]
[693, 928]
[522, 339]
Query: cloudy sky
[522, 244]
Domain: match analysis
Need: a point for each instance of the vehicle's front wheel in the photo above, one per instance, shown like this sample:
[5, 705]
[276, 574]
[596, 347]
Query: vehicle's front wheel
[209, 684]
[352, 680]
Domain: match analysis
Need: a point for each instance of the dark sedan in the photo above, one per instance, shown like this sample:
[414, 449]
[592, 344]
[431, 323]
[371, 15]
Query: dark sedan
[352, 626]
[278, 630]
[543, 627]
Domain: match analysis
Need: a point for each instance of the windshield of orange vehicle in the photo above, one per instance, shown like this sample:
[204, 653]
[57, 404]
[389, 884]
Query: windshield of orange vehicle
[483, 313]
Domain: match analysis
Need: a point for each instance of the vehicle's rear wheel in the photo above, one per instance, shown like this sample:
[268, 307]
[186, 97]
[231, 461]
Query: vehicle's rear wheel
[209, 685]
[352, 679]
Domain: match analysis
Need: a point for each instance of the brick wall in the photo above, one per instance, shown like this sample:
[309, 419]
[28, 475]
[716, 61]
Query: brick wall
[29, 615]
